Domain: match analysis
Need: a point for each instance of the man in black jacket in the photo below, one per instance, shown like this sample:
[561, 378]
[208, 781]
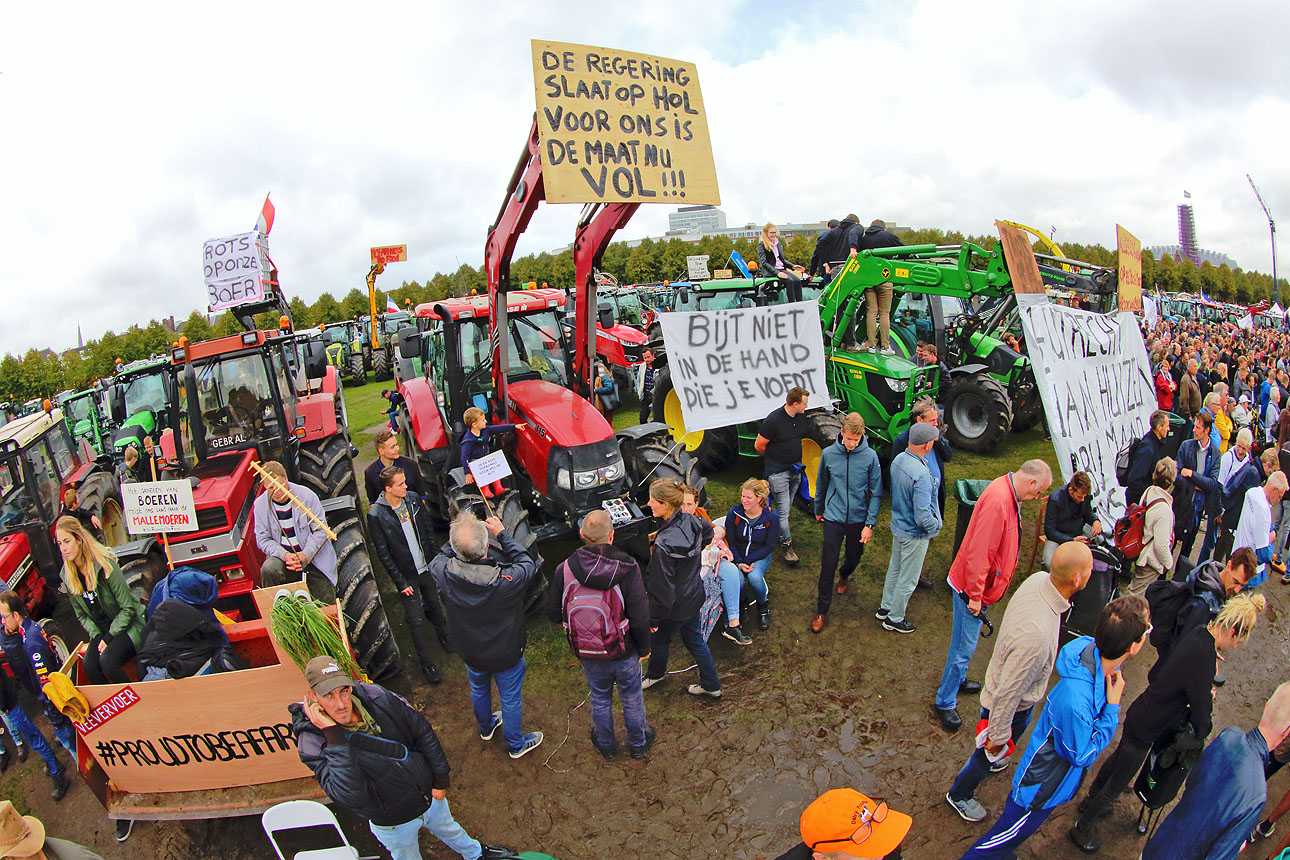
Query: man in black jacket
[832, 247]
[1146, 453]
[387, 455]
[484, 599]
[377, 756]
[598, 565]
[400, 529]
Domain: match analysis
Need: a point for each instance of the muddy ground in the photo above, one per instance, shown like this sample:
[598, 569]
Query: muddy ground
[801, 714]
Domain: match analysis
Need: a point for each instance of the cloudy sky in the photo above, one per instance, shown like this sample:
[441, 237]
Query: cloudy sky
[133, 133]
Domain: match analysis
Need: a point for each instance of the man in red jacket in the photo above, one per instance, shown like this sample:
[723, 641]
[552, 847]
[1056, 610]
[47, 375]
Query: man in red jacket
[981, 573]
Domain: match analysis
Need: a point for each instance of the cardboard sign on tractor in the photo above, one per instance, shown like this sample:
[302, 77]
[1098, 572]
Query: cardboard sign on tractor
[153, 507]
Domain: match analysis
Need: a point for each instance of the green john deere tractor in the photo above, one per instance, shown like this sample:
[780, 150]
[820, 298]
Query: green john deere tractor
[138, 402]
[84, 419]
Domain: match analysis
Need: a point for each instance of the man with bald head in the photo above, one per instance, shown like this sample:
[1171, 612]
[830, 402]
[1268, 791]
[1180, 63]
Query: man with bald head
[1017, 677]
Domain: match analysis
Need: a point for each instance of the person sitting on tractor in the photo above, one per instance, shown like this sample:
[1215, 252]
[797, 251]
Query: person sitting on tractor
[294, 543]
[772, 263]
[72, 508]
[475, 444]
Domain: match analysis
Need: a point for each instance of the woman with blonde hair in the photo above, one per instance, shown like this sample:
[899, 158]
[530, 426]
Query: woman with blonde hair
[752, 532]
[772, 263]
[1182, 693]
[1156, 557]
[110, 613]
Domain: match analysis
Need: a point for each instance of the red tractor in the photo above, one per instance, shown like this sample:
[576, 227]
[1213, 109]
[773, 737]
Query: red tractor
[509, 353]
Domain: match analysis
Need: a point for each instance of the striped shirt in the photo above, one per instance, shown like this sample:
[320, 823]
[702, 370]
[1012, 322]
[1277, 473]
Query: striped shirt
[286, 514]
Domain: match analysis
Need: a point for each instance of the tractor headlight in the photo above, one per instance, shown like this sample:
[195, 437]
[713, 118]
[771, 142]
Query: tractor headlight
[585, 479]
[562, 479]
[897, 385]
[614, 472]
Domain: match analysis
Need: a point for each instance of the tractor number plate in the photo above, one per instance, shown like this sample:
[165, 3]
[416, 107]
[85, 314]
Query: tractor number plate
[618, 512]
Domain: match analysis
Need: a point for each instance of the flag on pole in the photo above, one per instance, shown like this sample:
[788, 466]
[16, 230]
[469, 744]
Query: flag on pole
[265, 222]
[390, 306]
[1187, 194]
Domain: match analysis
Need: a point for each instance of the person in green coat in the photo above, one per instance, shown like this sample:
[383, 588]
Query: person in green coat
[110, 613]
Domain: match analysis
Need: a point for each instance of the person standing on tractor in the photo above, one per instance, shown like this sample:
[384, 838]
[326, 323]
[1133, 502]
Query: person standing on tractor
[915, 520]
[779, 441]
[401, 535]
[772, 263]
[102, 601]
[981, 573]
[476, 443]
[295, 546]
[878, 299]
[387, 455]
[848, 491]
[831, 249]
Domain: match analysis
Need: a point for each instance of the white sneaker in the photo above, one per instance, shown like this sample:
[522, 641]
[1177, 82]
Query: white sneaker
[698, 690]
[647, 682]
[969, 810]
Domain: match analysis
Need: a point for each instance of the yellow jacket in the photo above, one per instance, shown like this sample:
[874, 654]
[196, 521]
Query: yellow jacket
[1224, 426]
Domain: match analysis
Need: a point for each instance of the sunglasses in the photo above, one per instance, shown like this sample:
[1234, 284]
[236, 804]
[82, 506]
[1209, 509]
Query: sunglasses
[867, 819]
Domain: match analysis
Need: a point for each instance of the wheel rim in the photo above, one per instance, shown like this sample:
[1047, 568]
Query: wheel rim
[113, 523]
[811, 453]
[675, 421]
[969, 415]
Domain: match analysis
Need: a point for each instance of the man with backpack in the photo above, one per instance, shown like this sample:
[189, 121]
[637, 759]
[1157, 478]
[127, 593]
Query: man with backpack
[1140, 459]
[1179, 607]
[599, 596]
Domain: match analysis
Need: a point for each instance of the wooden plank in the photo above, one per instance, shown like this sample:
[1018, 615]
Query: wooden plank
[213, 803]
[1022, 267]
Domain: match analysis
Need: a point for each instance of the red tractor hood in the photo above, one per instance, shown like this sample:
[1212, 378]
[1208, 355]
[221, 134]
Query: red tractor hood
[625, 333]
[561, 416]
[14, 550]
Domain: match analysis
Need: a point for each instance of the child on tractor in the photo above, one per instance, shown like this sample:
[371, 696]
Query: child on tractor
[474, 444]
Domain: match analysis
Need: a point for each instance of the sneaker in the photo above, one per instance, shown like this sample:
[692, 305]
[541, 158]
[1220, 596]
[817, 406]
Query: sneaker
[999, 766]
[842, 586]
[969, 810]
[60, 787]
[1265, 828]
[22, 752]
[1278, 565]
[530, 742]
[609, 751]
[497, 724]
[790, 557]
[864, 347]
[852, 346]
[882, 614]
[643, 750]
[737, 635]
[494, 852]
[886, 350]
[647, 682]
[901, 626]
[1085, 837]
[698, 690]
[123, 828]
[817, 623]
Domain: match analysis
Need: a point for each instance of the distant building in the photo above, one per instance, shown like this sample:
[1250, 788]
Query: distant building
[695, 219]
[1214, 258]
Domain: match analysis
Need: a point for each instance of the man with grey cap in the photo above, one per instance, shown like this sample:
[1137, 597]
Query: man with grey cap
[915, 520]
[375, 754]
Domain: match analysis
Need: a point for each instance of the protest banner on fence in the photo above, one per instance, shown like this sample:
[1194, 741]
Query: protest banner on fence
[737, 365]
[1130, 269]
[236, 269]
[153, 507]
[1095, 381]
[617, 127]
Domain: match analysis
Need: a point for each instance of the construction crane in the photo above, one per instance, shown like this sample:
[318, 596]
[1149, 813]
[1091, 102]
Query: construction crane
[1272, 228]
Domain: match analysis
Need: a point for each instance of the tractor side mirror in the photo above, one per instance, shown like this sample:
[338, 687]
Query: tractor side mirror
[315, 360]
[409, 342]
[116, 403]
[605, 315]
[682, 295]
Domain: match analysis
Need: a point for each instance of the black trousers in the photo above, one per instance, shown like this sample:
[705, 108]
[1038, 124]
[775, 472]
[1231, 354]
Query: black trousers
[792, 283]
[418, 607]
[1113, 777]
[105, 667]
[647, 403]
[835, 534]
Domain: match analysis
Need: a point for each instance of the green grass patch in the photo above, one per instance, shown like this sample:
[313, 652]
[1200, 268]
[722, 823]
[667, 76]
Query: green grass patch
[366, 409]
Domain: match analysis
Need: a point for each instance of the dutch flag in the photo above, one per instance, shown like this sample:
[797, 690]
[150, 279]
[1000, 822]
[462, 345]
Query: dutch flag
[265, 222]
[390, 306]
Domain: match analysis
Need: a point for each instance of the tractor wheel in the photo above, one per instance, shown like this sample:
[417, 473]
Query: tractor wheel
[654, 333]
[357, 371]
[510, 510]
[657, 456]
[381, 363]
[365, 621]
[57, 641]
[327, 467]
[143, 573]
[715, 449]
[100, 494]
[978, 412]
[822, 431]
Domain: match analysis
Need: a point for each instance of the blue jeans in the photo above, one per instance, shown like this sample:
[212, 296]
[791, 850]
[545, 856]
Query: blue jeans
[660, 643]
[903, 570]
[967, 628]
[732, 583]
[1013, 828]
[13, 730]
[17, 719]
[601, 677]
[401, 839]
[509, 685]
[783, 489]
[978, 766]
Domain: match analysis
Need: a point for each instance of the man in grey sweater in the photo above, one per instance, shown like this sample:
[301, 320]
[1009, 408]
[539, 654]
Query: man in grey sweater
[1017, 677]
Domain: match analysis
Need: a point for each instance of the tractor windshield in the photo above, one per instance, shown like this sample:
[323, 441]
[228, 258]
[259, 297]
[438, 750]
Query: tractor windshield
[17, 506]
[629, 308]
[538, 345]
[145, 393]
[235, 403]
[76, 410]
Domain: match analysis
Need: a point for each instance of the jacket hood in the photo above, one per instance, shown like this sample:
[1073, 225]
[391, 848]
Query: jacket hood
[1209, 577]
[187, 585]
[682, 532]
[600, 566]
[1079, 661]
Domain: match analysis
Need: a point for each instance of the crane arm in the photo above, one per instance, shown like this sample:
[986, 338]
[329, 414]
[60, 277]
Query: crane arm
[1266, 211]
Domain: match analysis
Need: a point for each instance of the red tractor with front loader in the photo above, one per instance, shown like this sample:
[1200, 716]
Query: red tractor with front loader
[510, 354]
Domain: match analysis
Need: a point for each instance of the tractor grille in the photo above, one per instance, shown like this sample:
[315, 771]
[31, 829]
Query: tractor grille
[634, 352]
[212, 518]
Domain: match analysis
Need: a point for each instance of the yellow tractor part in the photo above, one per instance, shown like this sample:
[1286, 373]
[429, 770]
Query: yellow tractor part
[676, 423]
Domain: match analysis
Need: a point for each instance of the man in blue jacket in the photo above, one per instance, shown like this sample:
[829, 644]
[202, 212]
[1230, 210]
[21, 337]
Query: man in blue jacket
[848, 489]
[1197, 492]
[32, 660]
[915, 520]
[1079, 719]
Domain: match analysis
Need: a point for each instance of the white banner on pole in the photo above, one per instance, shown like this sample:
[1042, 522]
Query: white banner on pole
[152, 507]
[236, 269]
[1150, 311]
[737, 365]
[1095, 381]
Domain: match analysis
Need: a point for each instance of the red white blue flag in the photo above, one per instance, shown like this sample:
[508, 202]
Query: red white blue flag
[265, 222]
[390, 306]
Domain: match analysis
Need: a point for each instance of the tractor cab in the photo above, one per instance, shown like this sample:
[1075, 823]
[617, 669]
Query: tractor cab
[139, 398]
[84, 419]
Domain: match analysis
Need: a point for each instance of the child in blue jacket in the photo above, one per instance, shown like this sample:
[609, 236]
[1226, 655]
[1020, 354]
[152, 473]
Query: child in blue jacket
[475, 445]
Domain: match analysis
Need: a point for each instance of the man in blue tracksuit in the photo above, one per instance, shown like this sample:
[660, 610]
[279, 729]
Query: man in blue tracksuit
[1078, 722]
[848, 489]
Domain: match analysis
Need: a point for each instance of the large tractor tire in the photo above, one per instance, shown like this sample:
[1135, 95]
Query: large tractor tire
[658, 456]
[100, 494]
[823, 427]
[327, 467]
[57, 641]
[713, 449]
[510, 510]
[365, 621]
[143, 573]
[978, 412]
[355, 369]
[381, 367]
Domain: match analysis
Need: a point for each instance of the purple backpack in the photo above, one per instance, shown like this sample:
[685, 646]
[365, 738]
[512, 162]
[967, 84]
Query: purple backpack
[594, 620]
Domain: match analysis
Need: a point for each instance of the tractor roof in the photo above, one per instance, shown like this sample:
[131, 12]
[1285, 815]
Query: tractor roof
[517, 301]
[232, 343]
[28, 428]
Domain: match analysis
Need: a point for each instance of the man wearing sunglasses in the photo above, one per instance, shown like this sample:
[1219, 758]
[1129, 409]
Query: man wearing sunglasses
[843, 823]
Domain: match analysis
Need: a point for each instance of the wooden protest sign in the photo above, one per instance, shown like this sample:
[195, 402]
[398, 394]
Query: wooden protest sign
[619, 127]
[154, 507]
[490, 468]
[1022, 267]
[1130, 273]
[389, 254]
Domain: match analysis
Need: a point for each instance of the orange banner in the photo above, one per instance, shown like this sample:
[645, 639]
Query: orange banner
[1130, 269]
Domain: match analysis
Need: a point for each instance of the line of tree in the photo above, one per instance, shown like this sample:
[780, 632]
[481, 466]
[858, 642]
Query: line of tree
[42, 373]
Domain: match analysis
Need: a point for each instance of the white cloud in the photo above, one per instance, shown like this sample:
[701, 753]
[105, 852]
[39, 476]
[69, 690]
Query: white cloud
[131, 135]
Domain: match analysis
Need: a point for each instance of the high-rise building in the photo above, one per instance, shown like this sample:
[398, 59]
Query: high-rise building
[696, 219]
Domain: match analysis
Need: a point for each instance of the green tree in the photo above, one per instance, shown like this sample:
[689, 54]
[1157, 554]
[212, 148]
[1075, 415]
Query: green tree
[327, 310]
[301, 313]
[197, 327]
[355, 304]
[227, 324]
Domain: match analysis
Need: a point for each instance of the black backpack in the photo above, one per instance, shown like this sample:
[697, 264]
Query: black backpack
[1124, 461]
[1167, 598]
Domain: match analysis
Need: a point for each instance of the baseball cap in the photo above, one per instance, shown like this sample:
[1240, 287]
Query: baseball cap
[921, 434]
[324, 675]
[844, 820]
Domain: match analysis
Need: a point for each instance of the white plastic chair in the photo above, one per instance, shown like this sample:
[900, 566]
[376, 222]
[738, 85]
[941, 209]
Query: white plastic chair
[294, 814]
